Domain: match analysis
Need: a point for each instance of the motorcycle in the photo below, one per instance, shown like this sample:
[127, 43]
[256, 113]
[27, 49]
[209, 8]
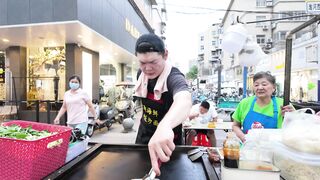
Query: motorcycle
[124, 108]
[124, 103]
[106, 118]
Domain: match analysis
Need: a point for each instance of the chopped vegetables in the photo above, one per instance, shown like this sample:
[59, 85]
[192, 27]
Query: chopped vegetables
[17, 132]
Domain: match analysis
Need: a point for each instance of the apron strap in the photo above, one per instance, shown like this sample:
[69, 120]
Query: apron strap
[252, 104]
[275, 108]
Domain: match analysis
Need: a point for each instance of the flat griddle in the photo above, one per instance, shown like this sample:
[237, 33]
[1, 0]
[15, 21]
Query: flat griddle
[125, 162]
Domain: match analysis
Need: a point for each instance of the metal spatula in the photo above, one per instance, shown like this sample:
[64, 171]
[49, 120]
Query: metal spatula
[196, 156]
[151, 175]
[194, 151]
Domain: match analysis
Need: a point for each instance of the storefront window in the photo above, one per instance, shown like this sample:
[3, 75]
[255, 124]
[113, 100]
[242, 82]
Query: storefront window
[2, 77]
[108, 75]
[46, 73]
[304, 85]
[128, 73]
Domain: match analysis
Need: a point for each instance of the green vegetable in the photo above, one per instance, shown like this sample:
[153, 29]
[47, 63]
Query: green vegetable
[17, 132]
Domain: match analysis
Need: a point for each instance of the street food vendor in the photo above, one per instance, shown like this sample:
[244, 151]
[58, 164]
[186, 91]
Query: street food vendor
[263, 110]
[166, 101]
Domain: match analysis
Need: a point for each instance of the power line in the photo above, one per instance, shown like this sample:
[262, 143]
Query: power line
[277, 19]
[222, 10]
[241, 11]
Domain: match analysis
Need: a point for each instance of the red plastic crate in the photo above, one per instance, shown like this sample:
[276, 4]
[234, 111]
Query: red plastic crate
[23, 159]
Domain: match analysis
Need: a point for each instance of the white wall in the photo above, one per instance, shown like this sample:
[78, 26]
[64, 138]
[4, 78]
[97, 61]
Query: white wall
[87, 73]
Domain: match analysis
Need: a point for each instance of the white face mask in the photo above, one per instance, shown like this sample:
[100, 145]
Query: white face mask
[74, 86]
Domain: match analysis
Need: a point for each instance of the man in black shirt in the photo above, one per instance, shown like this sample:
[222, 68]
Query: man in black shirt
[165, 98]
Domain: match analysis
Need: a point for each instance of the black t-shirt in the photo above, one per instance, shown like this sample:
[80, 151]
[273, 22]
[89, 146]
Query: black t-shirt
[155, 110]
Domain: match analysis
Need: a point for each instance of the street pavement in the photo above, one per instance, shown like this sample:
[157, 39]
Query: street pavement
[116, 134]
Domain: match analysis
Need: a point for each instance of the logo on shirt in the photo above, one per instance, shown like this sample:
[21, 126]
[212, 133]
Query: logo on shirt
[256, 125]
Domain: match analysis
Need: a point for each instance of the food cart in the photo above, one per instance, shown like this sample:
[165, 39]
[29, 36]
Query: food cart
[105, 161]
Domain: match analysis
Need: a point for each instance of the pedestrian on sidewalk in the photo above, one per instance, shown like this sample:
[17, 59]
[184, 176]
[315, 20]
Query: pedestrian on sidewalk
[166, 101]
[75, 102]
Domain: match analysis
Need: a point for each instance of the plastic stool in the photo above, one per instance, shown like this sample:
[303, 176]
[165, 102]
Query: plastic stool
[201, 140]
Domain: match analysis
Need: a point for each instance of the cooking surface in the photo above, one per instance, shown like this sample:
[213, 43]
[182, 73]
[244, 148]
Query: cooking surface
[126, 162]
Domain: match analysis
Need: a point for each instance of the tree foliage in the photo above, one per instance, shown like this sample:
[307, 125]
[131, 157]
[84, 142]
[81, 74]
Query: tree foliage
[193, 73]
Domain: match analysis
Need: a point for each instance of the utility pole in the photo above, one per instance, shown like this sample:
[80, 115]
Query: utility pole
[318, 58]
[219, 78]
[219, 72]
[217, 66]
[245, 74]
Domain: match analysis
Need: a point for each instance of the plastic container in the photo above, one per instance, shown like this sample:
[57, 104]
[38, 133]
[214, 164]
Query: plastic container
[251, 170]
[23, 159]
[76, 148]
[295, 165]
[231, 151]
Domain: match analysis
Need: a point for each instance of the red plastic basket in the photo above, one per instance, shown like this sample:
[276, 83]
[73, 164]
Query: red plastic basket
[23, 159]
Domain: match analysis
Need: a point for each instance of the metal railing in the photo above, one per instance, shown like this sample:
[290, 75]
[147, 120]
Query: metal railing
[36, 110]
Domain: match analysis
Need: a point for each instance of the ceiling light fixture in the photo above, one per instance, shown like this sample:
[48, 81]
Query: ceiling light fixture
[5, 40]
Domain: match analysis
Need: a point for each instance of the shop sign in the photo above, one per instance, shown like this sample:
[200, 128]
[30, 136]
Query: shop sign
[280, 66]
[131, 29]
[313, 6]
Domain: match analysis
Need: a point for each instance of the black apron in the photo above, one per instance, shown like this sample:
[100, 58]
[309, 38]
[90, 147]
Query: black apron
[153, 113]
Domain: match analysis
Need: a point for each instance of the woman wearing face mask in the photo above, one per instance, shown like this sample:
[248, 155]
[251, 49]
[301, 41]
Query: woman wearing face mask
[263, 110]
[74, 102]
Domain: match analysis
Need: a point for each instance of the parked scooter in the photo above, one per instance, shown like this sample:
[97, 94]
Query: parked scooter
[124, 103]
[106, 118]
[124, 108]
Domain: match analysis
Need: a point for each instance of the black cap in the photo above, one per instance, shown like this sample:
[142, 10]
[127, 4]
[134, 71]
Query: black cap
[149, 43]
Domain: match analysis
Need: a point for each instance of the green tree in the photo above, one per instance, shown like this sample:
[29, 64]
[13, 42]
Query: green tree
[193, 73]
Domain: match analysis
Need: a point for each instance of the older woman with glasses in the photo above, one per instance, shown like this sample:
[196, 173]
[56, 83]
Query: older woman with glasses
[263, 110]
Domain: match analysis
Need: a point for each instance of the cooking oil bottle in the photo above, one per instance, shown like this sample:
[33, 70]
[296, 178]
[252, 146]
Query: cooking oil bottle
[231, 151]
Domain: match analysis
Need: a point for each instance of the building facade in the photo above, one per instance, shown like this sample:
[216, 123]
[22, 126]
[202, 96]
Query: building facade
[72, 37]
[209, 53]
[43, 43]
[270, 35]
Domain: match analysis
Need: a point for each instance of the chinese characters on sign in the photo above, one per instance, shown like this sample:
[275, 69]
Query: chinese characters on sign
[150, 116]
[313, 7]
[131, 29]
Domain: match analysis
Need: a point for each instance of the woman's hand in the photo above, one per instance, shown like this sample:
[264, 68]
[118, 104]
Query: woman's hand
[236, 128]
[56, 121]
[318, 113]
[287, 108]
[242, 137]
